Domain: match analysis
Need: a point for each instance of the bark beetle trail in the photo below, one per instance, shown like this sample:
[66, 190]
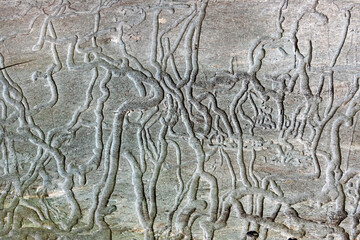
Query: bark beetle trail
[153, 137]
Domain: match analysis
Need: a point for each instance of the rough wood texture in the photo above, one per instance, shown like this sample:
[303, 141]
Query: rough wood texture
[176, 119]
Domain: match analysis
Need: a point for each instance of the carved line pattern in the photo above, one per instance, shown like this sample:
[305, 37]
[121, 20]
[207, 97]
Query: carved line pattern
[178, 121]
